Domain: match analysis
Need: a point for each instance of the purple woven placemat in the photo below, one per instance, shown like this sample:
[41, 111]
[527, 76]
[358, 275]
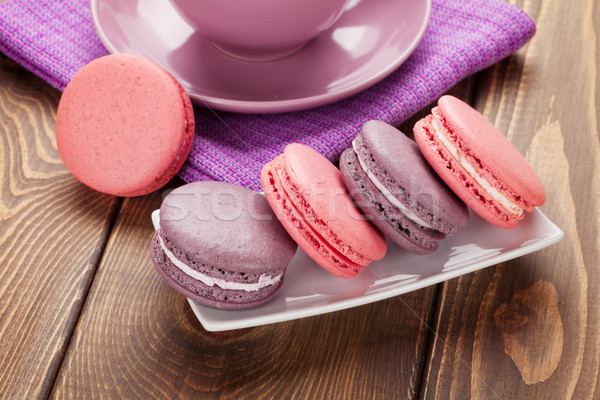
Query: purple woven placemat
[54, 39]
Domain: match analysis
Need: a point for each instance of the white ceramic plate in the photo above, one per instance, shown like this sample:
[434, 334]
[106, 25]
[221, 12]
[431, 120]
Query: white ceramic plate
[309, 290]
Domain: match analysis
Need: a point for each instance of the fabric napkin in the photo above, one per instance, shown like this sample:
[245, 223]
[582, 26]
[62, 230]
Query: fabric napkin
[54, 39]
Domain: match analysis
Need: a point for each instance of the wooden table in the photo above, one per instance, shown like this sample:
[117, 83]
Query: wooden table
[83, 314]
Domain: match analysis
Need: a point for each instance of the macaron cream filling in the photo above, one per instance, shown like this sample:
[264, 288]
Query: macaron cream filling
[263, 281]
[386, 193]
[440, 132]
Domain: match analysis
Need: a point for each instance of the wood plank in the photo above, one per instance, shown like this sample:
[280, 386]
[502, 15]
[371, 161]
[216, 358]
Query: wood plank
[52, 233]
[530, 328]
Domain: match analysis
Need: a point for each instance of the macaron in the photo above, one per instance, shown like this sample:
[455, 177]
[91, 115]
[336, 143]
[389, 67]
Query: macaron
[397, 190]
[124, 126]
[220, 245]
[478, 163]
[308, 195]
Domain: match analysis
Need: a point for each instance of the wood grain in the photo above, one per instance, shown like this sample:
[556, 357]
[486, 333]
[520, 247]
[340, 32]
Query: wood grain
[84, 315]
[550, 113]
[52, 234]
[533, 309]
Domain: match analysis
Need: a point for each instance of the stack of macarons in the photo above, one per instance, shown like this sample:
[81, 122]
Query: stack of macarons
[414, 193]
[124, 126]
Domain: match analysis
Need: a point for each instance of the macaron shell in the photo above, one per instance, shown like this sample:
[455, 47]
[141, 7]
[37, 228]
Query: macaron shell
[482, 141]
[384, 215]
[124, 126]
[398, 159]
[226, 226]
[458, 179]
[322, 186]
[203, 294]
[311, 241]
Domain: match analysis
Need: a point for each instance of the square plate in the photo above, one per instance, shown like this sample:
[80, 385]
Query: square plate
[309, 290]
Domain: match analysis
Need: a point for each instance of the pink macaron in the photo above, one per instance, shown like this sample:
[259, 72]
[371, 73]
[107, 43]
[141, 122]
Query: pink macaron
[124, 126]
[308, 195]
[478, 163]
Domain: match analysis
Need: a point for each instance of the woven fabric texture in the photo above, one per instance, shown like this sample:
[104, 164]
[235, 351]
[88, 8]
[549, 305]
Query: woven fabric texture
[55, 39]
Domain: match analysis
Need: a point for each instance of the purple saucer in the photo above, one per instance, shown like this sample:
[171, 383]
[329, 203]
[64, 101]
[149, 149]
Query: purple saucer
[369, 41]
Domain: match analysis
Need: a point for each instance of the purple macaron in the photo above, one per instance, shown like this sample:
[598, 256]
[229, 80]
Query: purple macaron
[398, 191]
[221, 245]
